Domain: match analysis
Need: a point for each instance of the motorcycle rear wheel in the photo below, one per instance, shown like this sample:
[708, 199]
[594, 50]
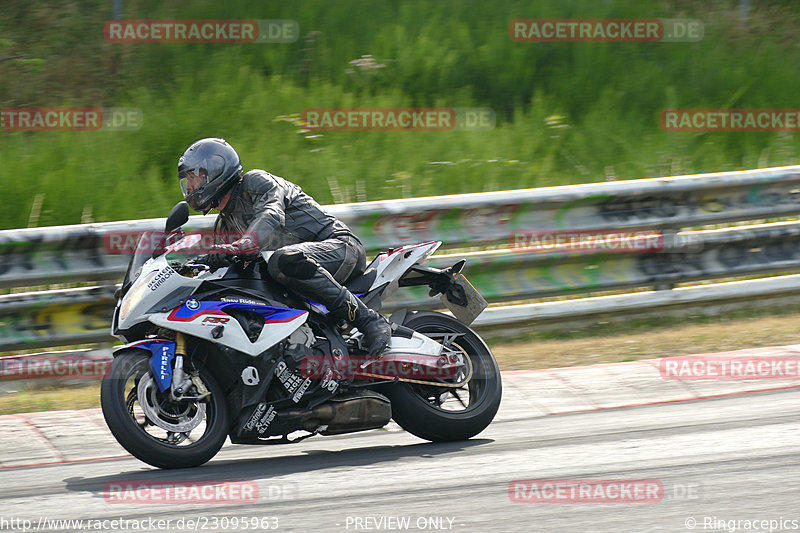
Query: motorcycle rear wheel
[442, 414]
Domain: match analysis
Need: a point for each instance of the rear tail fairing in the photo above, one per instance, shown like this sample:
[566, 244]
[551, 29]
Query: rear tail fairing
[391, 266]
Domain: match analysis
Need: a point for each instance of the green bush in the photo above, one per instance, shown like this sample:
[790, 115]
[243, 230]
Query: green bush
[566, 112]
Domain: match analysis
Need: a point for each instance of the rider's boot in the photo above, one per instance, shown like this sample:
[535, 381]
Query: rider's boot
[318, 285]
[377, 332]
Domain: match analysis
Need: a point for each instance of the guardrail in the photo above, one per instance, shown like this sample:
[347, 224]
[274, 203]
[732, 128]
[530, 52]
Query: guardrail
[64, 254]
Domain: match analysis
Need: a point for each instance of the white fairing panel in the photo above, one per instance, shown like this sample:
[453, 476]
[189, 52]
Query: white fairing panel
[392, 265]
[159, 286]
[418, 344]
[156, 281]
[163, 296]
[202, 323]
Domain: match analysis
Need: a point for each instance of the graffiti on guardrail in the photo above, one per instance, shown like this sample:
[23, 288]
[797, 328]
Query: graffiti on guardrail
[54, 317]
[461, 220]
[39, 319]
[35, 256]
[462, 225]
[652, 207]
[668, 267]
[57, 319]
[748, 250]
[31, 258]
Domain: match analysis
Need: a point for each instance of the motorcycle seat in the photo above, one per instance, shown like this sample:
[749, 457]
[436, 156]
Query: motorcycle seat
[362, 282]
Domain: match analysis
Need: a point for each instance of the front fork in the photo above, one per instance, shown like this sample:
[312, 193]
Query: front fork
[181, 381]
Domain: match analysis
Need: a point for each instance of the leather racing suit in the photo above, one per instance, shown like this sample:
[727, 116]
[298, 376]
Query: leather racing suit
[314, 252]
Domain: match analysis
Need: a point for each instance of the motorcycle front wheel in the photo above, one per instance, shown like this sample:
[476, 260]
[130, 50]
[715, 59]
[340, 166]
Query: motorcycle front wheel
[154, 428]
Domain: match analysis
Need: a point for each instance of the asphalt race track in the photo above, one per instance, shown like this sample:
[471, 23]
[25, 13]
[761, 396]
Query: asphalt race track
[724, 459]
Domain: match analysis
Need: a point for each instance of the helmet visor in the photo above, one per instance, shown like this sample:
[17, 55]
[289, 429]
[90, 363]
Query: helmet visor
[192, 180]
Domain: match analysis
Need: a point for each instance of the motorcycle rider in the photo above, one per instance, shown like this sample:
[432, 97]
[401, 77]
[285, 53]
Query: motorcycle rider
[314, 252]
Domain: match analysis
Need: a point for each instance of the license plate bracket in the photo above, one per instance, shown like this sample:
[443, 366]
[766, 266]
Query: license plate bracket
[464, 300]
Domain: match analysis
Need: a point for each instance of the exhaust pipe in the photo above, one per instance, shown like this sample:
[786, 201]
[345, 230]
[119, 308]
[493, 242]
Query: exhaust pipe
[347, 413]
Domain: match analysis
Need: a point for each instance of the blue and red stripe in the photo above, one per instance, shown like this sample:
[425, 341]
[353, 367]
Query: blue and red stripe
[271, 314]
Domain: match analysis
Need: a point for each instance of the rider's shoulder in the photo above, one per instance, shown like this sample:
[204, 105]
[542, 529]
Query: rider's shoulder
[258, 174]
[257, 179]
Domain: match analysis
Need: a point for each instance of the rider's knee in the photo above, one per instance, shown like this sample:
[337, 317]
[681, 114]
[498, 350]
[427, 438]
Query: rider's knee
[291, 263]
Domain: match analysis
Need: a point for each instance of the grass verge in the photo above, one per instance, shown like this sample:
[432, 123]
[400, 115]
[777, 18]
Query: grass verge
[54, 398]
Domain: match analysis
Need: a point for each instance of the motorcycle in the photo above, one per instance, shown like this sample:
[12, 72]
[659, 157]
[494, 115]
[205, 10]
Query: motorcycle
[230, 353]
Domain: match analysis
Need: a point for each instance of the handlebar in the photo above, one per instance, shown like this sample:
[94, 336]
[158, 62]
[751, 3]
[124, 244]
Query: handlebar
[191, 266]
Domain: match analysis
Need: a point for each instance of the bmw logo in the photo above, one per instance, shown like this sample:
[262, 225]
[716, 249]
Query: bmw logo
[192, 304]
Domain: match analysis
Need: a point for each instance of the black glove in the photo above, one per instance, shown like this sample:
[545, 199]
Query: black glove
[221, 255]
[214, 260]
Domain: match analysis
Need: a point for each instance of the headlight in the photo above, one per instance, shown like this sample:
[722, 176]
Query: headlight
[135, 294]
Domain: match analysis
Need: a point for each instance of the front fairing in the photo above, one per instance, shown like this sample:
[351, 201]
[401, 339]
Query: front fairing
[153, 244]
[153, 286]
[141, 255]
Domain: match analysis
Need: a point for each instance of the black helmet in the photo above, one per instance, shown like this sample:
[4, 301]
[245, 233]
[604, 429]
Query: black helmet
[207, 170]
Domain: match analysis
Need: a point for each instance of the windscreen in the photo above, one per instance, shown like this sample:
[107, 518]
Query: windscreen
[147, 243]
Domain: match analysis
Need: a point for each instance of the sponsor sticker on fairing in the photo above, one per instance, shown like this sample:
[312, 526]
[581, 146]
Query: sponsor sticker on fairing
[162, 276]
[253, 420]
[266, 420]
[301, 390]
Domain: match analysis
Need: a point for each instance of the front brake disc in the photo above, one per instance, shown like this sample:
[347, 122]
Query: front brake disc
[148, 400]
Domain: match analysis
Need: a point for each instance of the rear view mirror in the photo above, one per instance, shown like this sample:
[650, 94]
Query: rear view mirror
[177, 217]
